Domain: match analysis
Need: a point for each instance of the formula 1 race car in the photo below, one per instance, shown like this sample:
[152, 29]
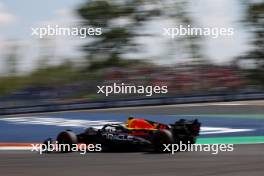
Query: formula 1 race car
[137, 135]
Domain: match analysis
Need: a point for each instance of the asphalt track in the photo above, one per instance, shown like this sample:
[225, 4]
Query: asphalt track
[244, 160]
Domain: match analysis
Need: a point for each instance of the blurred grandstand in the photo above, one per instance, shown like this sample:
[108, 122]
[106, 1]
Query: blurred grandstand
[182, 79]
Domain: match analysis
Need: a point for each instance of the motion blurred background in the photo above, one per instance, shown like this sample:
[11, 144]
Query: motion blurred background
[132, 49]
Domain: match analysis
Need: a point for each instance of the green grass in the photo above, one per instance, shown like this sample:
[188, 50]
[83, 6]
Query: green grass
[232, 140]
[239, 116]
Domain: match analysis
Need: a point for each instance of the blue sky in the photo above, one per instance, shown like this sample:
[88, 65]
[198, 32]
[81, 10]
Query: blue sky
[17, 17]
[29, 12]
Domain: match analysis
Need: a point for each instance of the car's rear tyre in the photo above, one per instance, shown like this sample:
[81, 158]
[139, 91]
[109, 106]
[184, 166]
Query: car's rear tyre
[90, 131]
[160, 138]
[69, 138]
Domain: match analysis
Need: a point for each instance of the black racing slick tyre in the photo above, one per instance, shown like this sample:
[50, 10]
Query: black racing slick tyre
[90, 131]
[162, 137]
[68, 138]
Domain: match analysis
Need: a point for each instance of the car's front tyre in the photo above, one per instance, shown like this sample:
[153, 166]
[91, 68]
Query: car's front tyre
[69, 138]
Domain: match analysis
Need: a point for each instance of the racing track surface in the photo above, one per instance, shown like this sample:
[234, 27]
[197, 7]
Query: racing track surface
[245, 160]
